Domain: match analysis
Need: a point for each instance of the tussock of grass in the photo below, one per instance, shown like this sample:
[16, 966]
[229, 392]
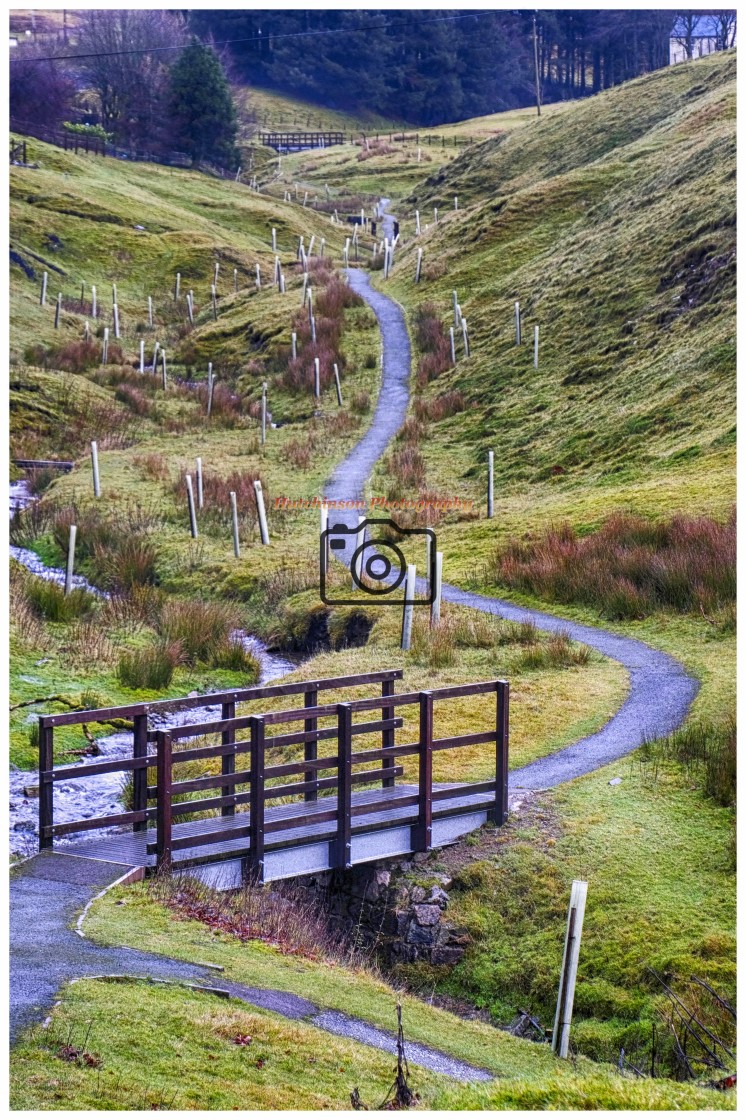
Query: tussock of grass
[150, 667]
[629, 567]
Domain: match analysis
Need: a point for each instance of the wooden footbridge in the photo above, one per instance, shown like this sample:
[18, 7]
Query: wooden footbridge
[251, 793]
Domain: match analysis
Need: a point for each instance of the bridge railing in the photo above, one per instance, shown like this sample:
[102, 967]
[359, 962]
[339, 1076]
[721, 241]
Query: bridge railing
[144, 735]
[258, 834]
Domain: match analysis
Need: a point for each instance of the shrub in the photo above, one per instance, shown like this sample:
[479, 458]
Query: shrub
[433, 342]
[707, 751]
[629, 567]
[407, 466]
[72, 357]
[412, 431]
[134, 399]
[234, 655]
[201, 629]
[558, 652]
[49, 600]
[360, 402]
[153, 466]
[151, 667]
[298, 454]
[217, 489]
[131, 563]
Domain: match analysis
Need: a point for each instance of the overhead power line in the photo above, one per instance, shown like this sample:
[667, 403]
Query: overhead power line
[252, 39]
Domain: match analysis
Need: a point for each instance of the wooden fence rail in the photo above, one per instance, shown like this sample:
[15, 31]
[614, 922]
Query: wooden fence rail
[143, 735]
[423, 802]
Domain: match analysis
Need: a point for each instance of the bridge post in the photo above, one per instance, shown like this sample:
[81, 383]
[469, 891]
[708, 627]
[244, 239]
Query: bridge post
[46, 786]
[310, 700]
[424, 827]
[344, 786]
[228, 761]
[164, 818]
[140, 777]
[500, 812]
[388, 738]
[256, 804]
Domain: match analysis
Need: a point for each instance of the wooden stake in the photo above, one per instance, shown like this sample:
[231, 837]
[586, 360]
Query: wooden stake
[465, 333]
[261, 512]
[70, 559]
[313, 330]
[217, 274]
[94, 464]
[418, 269]
[339, 387]
[435, 605]
[264, 412]
[490, 483]
[163, 370]
[258, 277]
[105, 355]
[155, 357]
[455, 308]
[235, 279]
[453, 346]
[58, 311]
[455, 202]
[210, 389]
[294, 345]
[142, 355]
[177, 286]
[435, 214]
[200, 487]
[324, 551]
[214, 294]
[316, 378]
[150, 311]
[536, 347]
[517, 308]
[568, 976]
[234, 514]
[116, 320]
[408, 614]
[44, 282]
[417, 221]
[94, 307]
[190, 504]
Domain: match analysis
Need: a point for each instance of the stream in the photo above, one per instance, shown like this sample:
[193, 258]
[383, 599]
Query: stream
[95, 797]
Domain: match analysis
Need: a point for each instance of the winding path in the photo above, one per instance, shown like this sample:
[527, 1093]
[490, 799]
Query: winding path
[47, 891]
[660, 691]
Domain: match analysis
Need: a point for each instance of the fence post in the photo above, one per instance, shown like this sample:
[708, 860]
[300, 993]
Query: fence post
[502, 716]
[164, 816]
[566, 995]
[46, 786]
[388, 737]
[256, 804]
[228, 761]
[140, 776]
[310, 700]
[344, 786]
[423, 831]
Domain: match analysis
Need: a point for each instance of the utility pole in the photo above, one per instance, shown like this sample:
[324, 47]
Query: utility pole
[536, 70]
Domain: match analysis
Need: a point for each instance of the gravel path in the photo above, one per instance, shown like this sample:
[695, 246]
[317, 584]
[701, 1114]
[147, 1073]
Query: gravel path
[48, 891]
[660, 691]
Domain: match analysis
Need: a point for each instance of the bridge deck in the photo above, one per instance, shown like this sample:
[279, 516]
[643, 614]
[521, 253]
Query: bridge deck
[307, 849]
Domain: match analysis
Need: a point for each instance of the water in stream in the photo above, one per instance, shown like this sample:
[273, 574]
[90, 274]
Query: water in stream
[97, 796]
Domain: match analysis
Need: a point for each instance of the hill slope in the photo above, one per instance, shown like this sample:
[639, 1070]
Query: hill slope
[613, 223]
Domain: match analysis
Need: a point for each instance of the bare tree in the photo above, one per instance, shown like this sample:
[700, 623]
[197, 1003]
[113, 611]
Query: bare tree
[41, 93]
[685, 30]
[723, 28]
[129, 85]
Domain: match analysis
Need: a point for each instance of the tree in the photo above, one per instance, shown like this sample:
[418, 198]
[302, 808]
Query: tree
[130, 86]
[201, 107]
[40, 92]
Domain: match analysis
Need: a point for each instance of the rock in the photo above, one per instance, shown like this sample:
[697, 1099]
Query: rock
[24, 826]
[405, 866]
[382, 877]
[442, 954]
[427, 915]
[421, 857]
[439, 897]
[418, 894]
[615, 782]
[402, 922]
[420, 935]
[30, 791]
[139, 227]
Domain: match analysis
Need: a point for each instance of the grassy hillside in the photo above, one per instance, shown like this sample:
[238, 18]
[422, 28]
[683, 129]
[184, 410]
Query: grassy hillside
[612, 221]
[273, 110]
